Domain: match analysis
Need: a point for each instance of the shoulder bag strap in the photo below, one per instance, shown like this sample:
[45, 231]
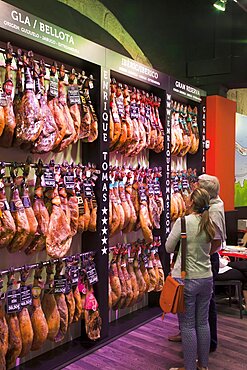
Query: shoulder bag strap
[183, 245]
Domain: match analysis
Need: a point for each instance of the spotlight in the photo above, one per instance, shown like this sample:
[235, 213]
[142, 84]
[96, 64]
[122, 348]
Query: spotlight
[220, 5]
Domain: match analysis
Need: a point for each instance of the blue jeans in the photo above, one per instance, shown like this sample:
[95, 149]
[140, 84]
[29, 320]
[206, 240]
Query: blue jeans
[194, 324]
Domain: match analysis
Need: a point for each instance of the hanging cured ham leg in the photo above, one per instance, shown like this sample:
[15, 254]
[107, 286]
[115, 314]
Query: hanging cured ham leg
[93, 132]
[115, 283]
[8, 124]
[124, 124]
[70, 299]
[93, 321]
[58, 238]
[29, 122]
[26, 328]
[7, 223]
[70, 132]
[21, 222]
[115, 126]
[14, 337]
[41, 214]
[49, 306]
[55, 107]
[40, 327]
[74, 104]
[62, 308]
[127, 278]
[49, 134]
[4, 330]
[145, 222]
[77, 298]
[33, 224]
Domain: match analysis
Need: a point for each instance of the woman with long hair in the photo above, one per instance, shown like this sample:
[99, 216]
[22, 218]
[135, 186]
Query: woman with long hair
[198, 283]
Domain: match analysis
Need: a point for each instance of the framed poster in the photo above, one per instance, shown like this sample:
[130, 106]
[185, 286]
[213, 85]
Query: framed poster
[241, 161]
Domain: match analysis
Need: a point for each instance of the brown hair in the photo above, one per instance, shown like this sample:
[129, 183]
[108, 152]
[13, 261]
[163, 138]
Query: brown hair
[200, 198]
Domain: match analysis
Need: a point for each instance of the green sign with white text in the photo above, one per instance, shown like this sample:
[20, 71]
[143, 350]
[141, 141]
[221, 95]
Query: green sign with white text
[27, 25]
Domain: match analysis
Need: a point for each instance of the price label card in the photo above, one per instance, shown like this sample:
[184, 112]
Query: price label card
[120, 106]
[26, 296]
[134, 111]
[185, 184]
[49, 178]
[74, 95]
[157, 189]
[53, 89]
[145, 260]
[74, 275]
[13, 301]
[92, 274]
[151, 189]
[148, 111]
[60, 284]
[142, 194]
[69, 182]
[88, 190]
[175, 186]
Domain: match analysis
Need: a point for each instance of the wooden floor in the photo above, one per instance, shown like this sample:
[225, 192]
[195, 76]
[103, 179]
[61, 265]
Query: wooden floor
[147, 347]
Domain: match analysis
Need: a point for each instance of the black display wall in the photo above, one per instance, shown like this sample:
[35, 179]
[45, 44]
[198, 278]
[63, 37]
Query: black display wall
[103, 65]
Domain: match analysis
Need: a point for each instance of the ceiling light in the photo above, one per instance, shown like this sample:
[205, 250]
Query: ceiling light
[220, 5]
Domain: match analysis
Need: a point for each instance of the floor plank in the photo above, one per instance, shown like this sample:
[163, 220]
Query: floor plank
[148, 348]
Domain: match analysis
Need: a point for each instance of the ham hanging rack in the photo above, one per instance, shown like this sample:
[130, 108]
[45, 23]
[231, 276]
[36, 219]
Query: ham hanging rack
[138, 242]
[40, 164]
[54, 261]
[81, 75]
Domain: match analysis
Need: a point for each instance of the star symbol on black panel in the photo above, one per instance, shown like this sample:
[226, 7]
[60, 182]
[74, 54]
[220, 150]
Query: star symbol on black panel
[104, 240]
[104, 231]
[104, 250]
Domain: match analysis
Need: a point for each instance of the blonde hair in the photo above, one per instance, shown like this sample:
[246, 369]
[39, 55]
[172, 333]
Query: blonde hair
[200, 205]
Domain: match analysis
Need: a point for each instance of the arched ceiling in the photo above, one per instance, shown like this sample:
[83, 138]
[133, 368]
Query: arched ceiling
[189, 39]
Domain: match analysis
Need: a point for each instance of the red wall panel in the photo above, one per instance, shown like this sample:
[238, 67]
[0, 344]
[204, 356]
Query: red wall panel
[220, 157]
